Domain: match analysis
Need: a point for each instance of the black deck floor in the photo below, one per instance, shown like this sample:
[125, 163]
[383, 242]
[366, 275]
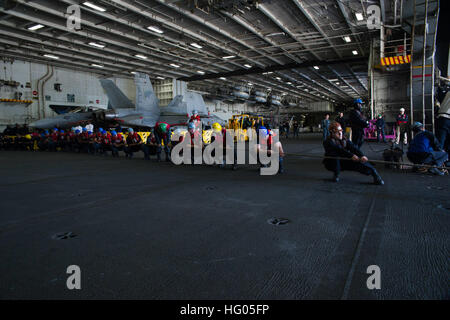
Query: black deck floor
[158, 231]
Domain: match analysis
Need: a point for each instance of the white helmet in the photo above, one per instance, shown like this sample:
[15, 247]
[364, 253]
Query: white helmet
[402, 109]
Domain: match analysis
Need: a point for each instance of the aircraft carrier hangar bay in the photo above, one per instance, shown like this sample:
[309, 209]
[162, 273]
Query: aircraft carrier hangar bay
[224, 149]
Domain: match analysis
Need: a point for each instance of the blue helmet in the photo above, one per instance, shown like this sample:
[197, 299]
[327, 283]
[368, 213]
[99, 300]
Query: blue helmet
[358, 101]
[130, 130]
[62, 131]
[46, 131]
[84, 129]
[191, 125]
[89, 132]
[264, 131]
[100, 129]
[55, 129]
[114, 133]
[77, 131]
[417, 126]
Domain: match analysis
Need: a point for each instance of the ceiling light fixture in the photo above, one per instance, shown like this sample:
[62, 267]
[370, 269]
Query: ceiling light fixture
[93, 6]
[228, 57]
[51, 56]
[98, 45]
[155, 29]
[175, 65]
[196, 45]
[140, 56]
[359, 16]
[35, 27]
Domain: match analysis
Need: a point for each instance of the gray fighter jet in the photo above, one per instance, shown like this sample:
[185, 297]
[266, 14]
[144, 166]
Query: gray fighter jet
[145, 113]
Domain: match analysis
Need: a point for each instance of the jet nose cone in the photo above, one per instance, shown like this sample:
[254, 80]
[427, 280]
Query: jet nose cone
[39, 124]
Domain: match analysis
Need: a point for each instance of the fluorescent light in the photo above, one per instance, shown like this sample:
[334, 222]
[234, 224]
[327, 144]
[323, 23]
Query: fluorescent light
[316, 67]
[355, 52]
[140, 56]
[132, 72]
[278, 78]
[175, 65]
[96, 65]
[196, 45]
[228, 57]
[51, 56]
[98, 45]
[35, 27]
[359, 16]
[347, 39]
[93, 6]
[155, 29]
[201, 72]
[160, 78]
[247, 66]
[250, 84]
[289, 82]
[223, 78]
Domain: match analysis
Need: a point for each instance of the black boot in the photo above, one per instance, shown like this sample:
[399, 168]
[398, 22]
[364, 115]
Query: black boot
[377, 178]
[281, 167]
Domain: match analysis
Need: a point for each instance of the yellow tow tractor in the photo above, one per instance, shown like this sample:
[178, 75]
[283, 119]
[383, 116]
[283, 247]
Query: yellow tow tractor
[241, 123]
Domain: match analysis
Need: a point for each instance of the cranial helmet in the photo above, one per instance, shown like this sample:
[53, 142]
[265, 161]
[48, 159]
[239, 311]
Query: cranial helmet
[163, 127]
[216, 126]
[334, 126]
[264, 131]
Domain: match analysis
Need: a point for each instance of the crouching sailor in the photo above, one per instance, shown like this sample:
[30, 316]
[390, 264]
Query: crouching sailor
[338, 146]
[268, 147]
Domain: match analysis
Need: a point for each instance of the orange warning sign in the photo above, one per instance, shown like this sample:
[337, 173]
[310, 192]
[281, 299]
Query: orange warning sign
[388, 61]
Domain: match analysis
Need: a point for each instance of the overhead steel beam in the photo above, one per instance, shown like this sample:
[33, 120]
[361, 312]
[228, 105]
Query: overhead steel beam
[130, 45]
[243, 23]
[347, 21]
[320, 85]
[266, 12]
[343, 80]
[212, 26]
[257, 70]
[315, 25]
[82, 48]
[195, 35]
[292, 79]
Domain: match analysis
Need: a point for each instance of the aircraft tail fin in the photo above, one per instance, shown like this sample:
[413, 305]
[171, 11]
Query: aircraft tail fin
[116, 98]
[146, 100]
[185, 104]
